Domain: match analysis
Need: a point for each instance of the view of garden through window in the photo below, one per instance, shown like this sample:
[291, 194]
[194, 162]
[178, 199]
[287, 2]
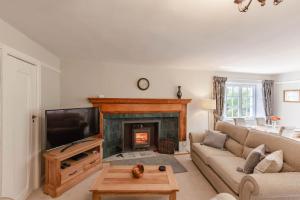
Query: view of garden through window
[240, 101]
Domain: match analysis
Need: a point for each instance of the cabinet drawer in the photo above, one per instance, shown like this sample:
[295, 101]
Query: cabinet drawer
[91, 164]
[69, 174]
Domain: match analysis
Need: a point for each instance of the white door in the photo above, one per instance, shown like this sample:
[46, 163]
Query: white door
[20, 103]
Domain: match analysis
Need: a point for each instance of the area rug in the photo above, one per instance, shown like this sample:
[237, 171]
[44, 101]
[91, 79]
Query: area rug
[160, 159]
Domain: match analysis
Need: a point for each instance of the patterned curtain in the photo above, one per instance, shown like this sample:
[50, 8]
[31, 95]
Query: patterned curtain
[268, 86]
[219, 96]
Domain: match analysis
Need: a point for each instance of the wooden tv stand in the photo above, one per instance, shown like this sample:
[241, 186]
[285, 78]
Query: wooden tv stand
[57, 179]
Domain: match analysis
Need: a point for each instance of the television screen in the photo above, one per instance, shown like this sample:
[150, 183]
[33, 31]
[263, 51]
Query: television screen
[65, 126]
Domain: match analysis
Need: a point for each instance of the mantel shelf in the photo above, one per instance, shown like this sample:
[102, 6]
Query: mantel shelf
[137, 101]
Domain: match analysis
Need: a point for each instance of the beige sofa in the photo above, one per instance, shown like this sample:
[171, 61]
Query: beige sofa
[219, 166]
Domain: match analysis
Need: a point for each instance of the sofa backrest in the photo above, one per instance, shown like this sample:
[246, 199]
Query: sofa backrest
[236, 137]
[290, 148]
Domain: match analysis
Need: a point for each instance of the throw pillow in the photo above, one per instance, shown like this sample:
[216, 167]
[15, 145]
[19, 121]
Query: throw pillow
[215, 139]
[223, 196]
[271, 164]
[253, 159]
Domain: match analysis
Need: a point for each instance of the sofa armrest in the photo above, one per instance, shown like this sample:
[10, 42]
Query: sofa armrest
[196, 137]
[270, 186]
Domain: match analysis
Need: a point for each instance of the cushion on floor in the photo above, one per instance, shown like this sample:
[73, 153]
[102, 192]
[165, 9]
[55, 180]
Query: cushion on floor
[226, 167]
[204, 152]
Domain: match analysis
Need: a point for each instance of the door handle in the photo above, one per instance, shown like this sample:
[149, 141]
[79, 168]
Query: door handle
[33, 117]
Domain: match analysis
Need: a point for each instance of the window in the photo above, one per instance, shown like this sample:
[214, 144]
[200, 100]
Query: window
[240, 101]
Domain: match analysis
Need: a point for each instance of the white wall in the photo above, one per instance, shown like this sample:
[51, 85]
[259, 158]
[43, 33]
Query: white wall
[88, 79]
[289, 112]
[17, 40]
[85, 79]
[50, 94]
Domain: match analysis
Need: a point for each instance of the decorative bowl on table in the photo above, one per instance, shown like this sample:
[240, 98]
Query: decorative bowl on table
[138, 171]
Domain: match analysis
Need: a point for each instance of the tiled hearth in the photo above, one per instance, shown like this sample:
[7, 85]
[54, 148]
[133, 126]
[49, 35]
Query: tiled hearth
[118, 130]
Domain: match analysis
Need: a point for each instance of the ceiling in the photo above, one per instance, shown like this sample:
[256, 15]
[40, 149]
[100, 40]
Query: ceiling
[190, 34]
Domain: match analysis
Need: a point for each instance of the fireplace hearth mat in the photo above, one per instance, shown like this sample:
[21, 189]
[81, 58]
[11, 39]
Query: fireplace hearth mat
[131, 155]
[159, 159]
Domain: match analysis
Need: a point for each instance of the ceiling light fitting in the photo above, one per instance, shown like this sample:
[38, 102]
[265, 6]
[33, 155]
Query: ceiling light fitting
[243, 5]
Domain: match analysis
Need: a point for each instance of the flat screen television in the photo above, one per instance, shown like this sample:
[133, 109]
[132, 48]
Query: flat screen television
[65, 126]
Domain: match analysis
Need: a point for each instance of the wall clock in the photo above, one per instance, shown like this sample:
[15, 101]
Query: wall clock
[143, 84]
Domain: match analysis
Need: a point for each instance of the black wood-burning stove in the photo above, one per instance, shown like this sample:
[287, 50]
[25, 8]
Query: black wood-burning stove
[141, 138]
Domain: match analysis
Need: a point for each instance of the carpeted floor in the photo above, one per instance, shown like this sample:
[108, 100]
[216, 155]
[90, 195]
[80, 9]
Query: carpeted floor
[161, 159]
[193, 186]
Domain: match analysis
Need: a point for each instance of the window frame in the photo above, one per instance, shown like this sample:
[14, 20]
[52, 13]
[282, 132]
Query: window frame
[240, 97]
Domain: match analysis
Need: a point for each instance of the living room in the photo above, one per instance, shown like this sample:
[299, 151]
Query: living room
[179, 71]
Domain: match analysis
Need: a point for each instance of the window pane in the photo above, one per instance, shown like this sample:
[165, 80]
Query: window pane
[235, 101]
[229, 107]
[236, 91]
[228, 112]
[244, 92]
[246, 107]
[247, 102]
[228, 91]
[251, 91]
[235, 112]
[239, 101]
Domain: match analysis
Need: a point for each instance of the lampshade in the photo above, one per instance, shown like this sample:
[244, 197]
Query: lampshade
[208, 104]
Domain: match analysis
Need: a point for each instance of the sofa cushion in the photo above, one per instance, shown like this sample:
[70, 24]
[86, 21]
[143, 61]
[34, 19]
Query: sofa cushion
[226, 167]
[246, 151]
[234, 147]
[215, 139]
[287, 168]
[204, 152]
[253, 159]
[274, 143]
[238, 133]
[271, 164]
[223, 196]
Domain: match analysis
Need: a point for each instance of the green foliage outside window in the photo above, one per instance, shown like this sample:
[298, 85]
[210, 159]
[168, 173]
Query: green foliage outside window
[239, 101]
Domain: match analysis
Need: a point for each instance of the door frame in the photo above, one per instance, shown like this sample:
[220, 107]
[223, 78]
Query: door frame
[36, 131]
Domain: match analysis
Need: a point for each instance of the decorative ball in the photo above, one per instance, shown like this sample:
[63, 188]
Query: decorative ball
[138, 171]
[141, 167]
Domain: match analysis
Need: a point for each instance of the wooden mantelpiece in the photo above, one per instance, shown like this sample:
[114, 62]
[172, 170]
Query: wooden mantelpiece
[127, 105]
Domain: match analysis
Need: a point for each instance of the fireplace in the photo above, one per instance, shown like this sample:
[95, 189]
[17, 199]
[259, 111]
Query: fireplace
[115, 112]
[140, 135]
[141, 138]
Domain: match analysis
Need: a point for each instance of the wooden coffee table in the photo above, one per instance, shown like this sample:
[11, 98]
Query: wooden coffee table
[118, 180]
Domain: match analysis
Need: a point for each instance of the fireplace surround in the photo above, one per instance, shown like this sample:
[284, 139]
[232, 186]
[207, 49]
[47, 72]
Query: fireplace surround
[172, 114]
